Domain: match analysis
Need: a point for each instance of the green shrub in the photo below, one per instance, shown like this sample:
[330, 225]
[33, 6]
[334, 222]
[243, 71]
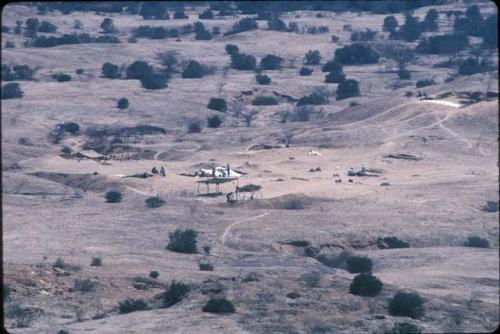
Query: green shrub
[333, 77]
[391, 242]
[154, 202]
[206, 15]
[262, 79]
[214, 121]
[79, 71]
[472, 66]
[138, 69]
[265, 101]
[11, 91]
[348, 88]
[62, 331]
[219, 306]
[85, 285]
[154, 274]
[293, 295]
[110, 71]
[61, 77]
[271, 62]
[218, 104]
[205, 266]
[193, 70]
[47, 27]
[113, 196]
[406, 304]
[96, 261]
[183, 241]
[312, 99]
[244, 24]
[194, 127]
[359, 264]
[356, 54]
[365, 285]
[304, 71]
[404, 74]
[424, 83]
[122, 103]
[363, 36]
[312, 57]
[175, 293]
[231, 49]
[448, 43]
[475, 241]
[180, 15]
[491, 206]
[405, 328]
[132, 305]
[66, 150]
[241, 61]
[71, 127]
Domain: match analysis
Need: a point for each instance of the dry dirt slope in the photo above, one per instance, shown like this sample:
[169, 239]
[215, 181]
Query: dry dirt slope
[433, 203]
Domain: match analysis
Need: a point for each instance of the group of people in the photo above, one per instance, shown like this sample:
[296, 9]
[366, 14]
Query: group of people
[161, 171]
[350, 172]
[422, 95]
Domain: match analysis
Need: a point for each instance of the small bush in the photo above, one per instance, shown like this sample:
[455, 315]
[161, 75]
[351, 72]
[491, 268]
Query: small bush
[363, 36]
[138, 69]
[491, 206]
[305, 71]
[155, 80]
[203, 35]
[312, 57]
[154, 202]
[206, 250]
[24, 316]
[214, 121]
[79, 71]
[475, 241]
[265, 101]
[154, 274]
[131, 305]
[183, 241]
[9, 45]
[262, 79]
[450, 43]
[406, 304]
[405, 328]
[293, 295]
[231, 49]
[47, 27]
[271, 62]
[242, 25]
[332, 66]
[11, 91]
[332, 260]
[206, 15]
[71, 127]
[175, 293]
[348, 88]
[193, 70]
[96, 261]
[334, 77]
[276, 24]
[391, 242]
[194, 127]
[365, 285]
[311, 279]
[180, 15]
[206, 266]
[219, 306]
[66, 150]
[85, 285]
[241, 61]
[110, 71]
[108, 26]
[356, 54]
[424, 83]
[17, 72]
[312, 99]
[359, 264]
[113, 196]
[472, 66]
[218, 104]
[122, 103]
[404, 74]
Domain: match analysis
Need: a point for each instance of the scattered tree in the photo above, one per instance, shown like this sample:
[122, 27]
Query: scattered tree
[406, 304]
[241, 61]
[110, 71]
[365, 285]
[108, 26]
[113, 196]
[175, 293]
[219, 306]
[271, 62]
[359, 264]
[122, 103]
[304, 71]
[218, 104]
[348, 88]
[231, 49]
[131, 305]
[312, 57]
[214, 121]
[206, 15]
[262, 79]
[193, 70]
[356, 54]
[475, 241]
[11, 91]
[390, 24]
[183, 241]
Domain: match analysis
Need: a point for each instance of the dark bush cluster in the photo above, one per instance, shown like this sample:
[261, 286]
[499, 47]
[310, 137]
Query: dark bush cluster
[183, 241]
[359, 264]
[304, 71]
[154, 274]
[271, 62]
[132, 305]
[424, 83]
[61, 77]
[96, 261]
[406, 304]
[218, 104]
[108, 26]
[194, 127]
[214, 121]
[11, 91]
[312, 57]
[193, 70]
[314, 30]
[113, 196]
[363, 35]
[312, 99]
[155, 32]
[242, 25]
[17, 72]
[231, 49]
[471, 66]
[47, 27]
[154, 202]
[221, 305]
[448, 43]
[365, 284]
[335, 77]
[391, 242]
[276, 24]
[356, 54]
[45, 42]
[265, 101]
[85, 285]
[348, 88]
[201, 33]
[262, 79]
[475, 241]
[179, 15]
[241, 61]
[71, 127]
[150, 79]
[110, 71]
[154, 10]
[175, 293]
[205, 266]
[206, 15]
[122, 103]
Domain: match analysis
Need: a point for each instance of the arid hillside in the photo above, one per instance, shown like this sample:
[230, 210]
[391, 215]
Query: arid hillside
[228, 167]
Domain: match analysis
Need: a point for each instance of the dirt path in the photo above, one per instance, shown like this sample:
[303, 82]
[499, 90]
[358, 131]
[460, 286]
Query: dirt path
[140, 191]
[223, 238]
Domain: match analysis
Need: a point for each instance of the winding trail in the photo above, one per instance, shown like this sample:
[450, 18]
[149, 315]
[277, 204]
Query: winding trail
[223, 238]
[140, 191]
